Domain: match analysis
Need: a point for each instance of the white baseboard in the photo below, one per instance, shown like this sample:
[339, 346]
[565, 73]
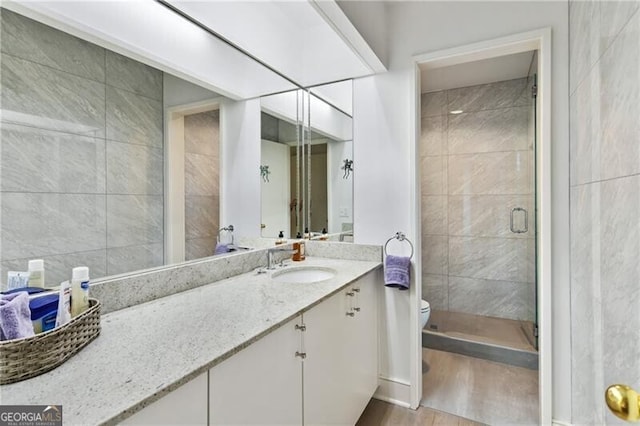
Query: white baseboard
[394, 391]
[560, 423]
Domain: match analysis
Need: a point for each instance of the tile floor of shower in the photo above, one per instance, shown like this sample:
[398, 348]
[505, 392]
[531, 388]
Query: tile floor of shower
[496, 331]
[481, 390]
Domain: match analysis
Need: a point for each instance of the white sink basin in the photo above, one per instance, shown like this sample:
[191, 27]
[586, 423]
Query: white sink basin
[304, 274]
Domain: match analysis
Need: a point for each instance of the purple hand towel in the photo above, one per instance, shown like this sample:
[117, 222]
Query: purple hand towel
[396, 271]
[15, 316]
[221, 248]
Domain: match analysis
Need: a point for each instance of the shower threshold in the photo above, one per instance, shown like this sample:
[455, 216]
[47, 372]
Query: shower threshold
[494, 339]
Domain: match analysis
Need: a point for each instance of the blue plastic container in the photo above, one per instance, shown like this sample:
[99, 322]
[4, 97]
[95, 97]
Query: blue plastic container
[43, 312]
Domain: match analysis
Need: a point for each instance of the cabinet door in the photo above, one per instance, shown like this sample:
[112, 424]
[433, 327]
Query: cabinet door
[186, 405]
[261, 384]
[327, 366]
[341, 367]
[364, 345]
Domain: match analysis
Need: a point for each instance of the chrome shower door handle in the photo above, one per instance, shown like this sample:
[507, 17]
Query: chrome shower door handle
[526, 221]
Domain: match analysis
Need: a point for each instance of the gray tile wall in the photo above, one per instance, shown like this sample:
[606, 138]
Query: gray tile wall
[82, 155]
[605, 202]
[202, 195]
[476, 167]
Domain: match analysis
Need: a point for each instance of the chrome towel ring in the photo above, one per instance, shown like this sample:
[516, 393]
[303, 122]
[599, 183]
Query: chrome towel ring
[400, 237]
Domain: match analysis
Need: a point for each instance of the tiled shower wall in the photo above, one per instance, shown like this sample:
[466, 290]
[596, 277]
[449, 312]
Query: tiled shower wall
[605, 203]
[81, 156]
[475, 168]
[202, 195]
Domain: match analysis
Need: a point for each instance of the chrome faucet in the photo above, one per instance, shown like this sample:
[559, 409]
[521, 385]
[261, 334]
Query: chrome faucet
[270, 253]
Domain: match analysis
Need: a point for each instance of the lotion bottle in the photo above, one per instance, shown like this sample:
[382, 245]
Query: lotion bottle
[79, 290]
[36, 273]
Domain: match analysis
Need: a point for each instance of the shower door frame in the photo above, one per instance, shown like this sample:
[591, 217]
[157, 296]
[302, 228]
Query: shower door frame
[539, 40]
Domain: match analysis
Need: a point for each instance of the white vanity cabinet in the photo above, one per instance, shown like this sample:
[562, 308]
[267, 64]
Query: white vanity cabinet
[340, 341]
[364, 342]
[319, 368]
[261, 384]
[186, 405]
[328, 354]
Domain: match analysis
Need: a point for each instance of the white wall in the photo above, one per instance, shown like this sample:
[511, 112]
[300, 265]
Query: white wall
[339, 94]
[177, 91]
[282, 105]
[327, 120]
[275, 193]
[324, 118]
[382, 204]
[240, 174]
[339, 190]
[371, 25]
[384, 181]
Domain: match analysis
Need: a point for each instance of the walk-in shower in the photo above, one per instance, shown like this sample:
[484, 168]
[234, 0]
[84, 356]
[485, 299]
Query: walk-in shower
[478, 189]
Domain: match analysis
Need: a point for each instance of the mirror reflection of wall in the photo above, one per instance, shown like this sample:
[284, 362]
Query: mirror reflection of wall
[320, 144]
[318, 219]
[340, 186]
[192, 193]
[277, 176]
[201, 189]
[89, 161]
[83, 157]
[331, 118]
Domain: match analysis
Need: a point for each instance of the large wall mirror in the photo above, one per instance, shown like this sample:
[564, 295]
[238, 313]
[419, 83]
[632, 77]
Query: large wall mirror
[121, 162]
[307, 163]
[107, 162]
[86, 125]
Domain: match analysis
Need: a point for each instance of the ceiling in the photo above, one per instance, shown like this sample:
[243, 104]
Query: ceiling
[308, 42]
[297, 38]
[484, 71]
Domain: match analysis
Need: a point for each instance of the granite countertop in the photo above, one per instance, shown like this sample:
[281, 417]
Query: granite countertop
[148, 350]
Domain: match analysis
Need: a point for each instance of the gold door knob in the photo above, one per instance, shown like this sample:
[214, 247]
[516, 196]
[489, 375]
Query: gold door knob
[624, 402]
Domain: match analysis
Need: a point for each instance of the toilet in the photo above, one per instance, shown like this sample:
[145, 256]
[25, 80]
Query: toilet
[425, 310]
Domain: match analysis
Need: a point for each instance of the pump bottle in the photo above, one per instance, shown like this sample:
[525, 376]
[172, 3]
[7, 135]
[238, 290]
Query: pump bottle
[79, 290]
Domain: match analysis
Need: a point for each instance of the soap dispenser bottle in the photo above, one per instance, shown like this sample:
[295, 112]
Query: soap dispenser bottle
[298, 254]
[298, 246]
[281, 239]
[307, 234]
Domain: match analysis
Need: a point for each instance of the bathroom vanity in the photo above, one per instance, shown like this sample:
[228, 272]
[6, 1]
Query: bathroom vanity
[247, 349]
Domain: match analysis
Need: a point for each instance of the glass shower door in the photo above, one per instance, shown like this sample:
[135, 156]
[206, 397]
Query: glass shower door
[478, 212]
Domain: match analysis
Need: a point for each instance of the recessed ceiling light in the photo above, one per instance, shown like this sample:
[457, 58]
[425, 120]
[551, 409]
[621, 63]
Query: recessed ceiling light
[456, 111]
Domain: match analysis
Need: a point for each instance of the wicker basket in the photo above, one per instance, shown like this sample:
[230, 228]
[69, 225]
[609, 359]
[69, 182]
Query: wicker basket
[22, 359]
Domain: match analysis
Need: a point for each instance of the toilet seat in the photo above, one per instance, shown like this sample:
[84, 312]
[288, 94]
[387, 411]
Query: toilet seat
[424, 306]
[425, 311]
